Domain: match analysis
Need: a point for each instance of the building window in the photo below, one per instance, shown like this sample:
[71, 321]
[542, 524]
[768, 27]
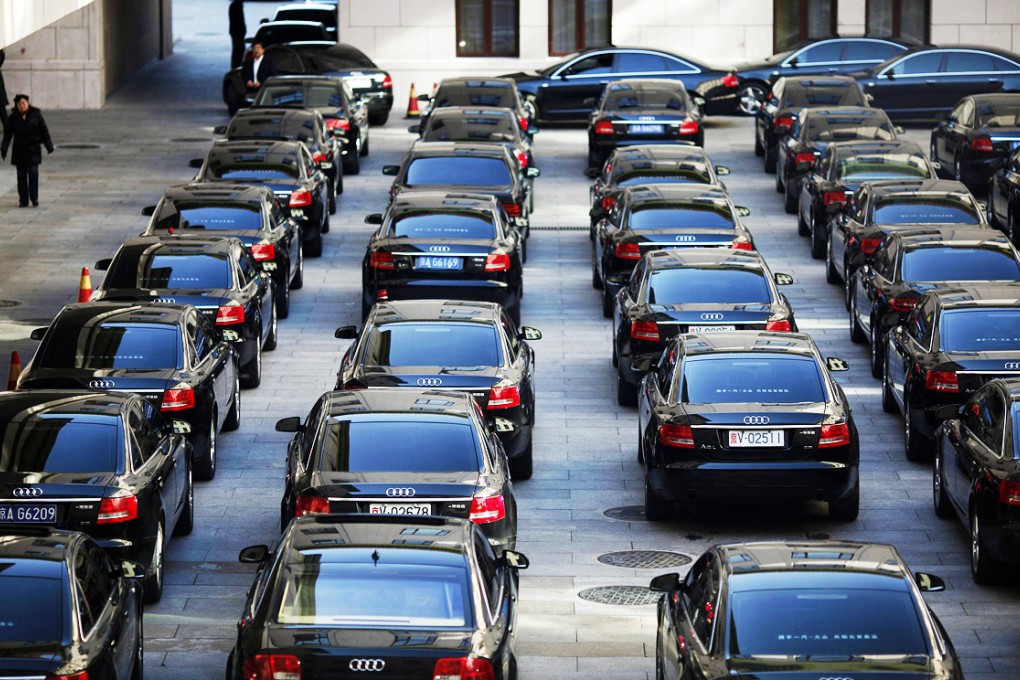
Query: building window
[487, 28]
[800, 20]
[578, 24]
[903, 19]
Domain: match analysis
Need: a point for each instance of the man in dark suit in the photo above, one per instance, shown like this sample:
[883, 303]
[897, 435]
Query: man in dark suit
[258, 68]
[235, 14]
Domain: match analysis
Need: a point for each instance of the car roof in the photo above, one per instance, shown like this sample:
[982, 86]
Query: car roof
[80, 313]
[705, 257]
[871, 147]
[110, 404]
[708, 194]
[398, 400]
[219, 192]
[961, 48]
[952, 236]
[785, 556]
[446, 149]
[395, 311]
[443, 201]
[1004, 294]
[770, 342]
[913, 187]
[307, 5]
[333, 539]
[176, 244]
[36, 551]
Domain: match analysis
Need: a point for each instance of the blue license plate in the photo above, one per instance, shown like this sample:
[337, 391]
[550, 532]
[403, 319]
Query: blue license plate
[438, 262]
[28, 514]
[646, 129]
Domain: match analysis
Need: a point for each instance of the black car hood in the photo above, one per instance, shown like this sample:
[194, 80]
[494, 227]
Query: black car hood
[778, 414]
[122, 379]
[790, 668]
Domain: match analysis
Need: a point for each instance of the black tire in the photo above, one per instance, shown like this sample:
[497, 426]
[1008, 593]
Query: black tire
[831, 275]
[888, 401]
[233, 419]
[298, 281]
[856, 333]
[378, 117]
[364, 147]
[512, 673]
[877, 353]
[522, 466]
[593, 159]
[138, 666]
[339, 188]
[803, 228]
[251, 373]
[985, 569]
[274, 336]
[282, 300]
[940, 499]
[616, 356]
[819, 242]
[790, 200]
[770, 159]
[204, 466]
[847, 508]
[186, 522]
[352, 166]
[780, 185]
[332, 207]
[759, 150]
[657, 508]
[626, 394]
[152, 585]
[917, 447]
[640, 445]
[749, 97]
[596, 280]
[524, 249]
[607, 304]
[313, 248]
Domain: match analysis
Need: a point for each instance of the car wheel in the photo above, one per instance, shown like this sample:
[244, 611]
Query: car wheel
[299, 274]
[352, 166]
[819, 242]
[524, 249]
[780, 186]
[364, 147]
[152, 585]
[339, 183]
[205, 465]
[593, 159]
[940, 499]
[759, 149]
[186, 522]
[274, 335]
[378, 117]
[252, 371]
[656, 507]
[282, 300]
[749, 97]
[512, 673]
[626, 394]
[831, 275]
[659, 674]
[138, 666]
[616, 356]
[313, 248]
[790, 200]
[332, 207]
[877, 351]
[856, 334]
[847, 508]
[770, 159]
[640, 445]
[607, 304]
[803, 228]
[596, 278]
[984, 568]
[888, 401]
[916, 446]
[233, 419]
[522, 466]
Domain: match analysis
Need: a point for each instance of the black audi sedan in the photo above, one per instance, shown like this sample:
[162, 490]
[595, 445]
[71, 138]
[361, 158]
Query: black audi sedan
[825, 57]
[473, 92]
[361, 594]
[813, 130]
[954, 341]
[694, 290]
[69, 611]
[442, 245]
[748, 415]
[661, 217]
[977, 137]
[108, 465]
[170, 354]
[840, 170]
[1004, 198]
[371, 84]
[977, 478]
[878, 208]
[788, 96]
[215, 275]
[566, 90]
[249, 213]
[399, 452]
[801, 609]
[925, 81]
[910, 262]
[325, 13]
[287, 168]
[455, 345]
[642, 111]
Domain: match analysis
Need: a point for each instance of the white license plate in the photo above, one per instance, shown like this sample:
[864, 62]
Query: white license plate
[297, 212]
[400, 508]
[712, 329]
[359, 83]
[756, 438]
[325, 165]
[437, 262]
[28, 514]
[646, 129]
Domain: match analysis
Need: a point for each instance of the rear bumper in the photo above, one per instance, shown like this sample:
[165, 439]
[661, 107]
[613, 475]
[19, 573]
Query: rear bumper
[1003, 540]
[500, 292]
[738, 482]
[632, 376]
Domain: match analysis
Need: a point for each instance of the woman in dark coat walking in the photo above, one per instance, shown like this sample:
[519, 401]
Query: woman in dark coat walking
[27, 129]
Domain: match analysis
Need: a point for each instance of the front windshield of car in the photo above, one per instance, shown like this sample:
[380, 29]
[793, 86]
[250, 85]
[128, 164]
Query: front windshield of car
[233, 217]
[443, 225]
[60, 443]
[681, 216]
[980, 330]
[925, 210]
[882, 166]
[692, 285]
[408, 444]
[187, 272]
[458, 171]
[374, 593]
[426, 343]
[737, 378]
[24, 598]
[946, 263]
[848, 128]
[111, 345]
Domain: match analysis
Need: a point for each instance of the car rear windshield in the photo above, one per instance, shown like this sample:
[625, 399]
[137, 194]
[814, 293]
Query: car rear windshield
[410, 445]
[325, 16]
[657, 99]
[903, 210]
[443, 225]
[61, 444]
[235, 217]
[502, 97]
[843, 129]
[959, 264]
[273, 127]
[681, 217]
[194, 272]
[476, 128]
[813, 97]
[825, 622]
[25, 597]
[323, 62]
[375, 593]
[276, 35]
[735, 378]
[256, 171]
[998, 115]
[871, 168]
[459, 171]
[463, 345]
[681, 176]
[690, 285]
[977, 330]
[310, 96]
[127, 346]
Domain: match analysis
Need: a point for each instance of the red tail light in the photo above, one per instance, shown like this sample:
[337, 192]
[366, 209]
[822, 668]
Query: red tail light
[117, 509]
[782, 325]
[230, 314]
[263, 251]
[644, 330]
[497, 262]
[681, 643]
[899, 304]
[941, 381]
[1009, 493]
[486, 509]
[178, 399]
[338, 124]
[870, 245]
[319, 157]
[783, 122]
[834, 435]
[522, 158]
[512, 209]
[271, 667]
[608, 203]
[604, 127]
[463, 668]
[505, 396]
[982, 144]
[741, 244]
[628, 251]
[311, 505]
[831, 197]
[300, 198]
[679, 436]
[380, 260]
[730, 80]
[689, 127]
[387, 83]
[807, 158]
[524, 123]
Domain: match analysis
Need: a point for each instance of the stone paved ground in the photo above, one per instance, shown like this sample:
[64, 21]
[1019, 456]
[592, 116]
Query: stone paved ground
[585, 444]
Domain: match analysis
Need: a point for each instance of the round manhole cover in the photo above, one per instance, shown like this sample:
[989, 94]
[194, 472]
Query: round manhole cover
[645, 559]
[8, 303]
[79, 146]
[626, 595]
[191, 140]
[629, 513]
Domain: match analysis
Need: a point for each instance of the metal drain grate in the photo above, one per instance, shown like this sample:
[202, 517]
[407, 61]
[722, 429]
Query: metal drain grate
[645, 559]
[8, 303]
[623, 595]
[558, 228]
[629, 513]
[79, 146]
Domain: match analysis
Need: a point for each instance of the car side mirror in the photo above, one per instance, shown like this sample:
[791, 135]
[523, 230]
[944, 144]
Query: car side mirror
[263, 20]
[899, 129]
[38, 333]
[220, 130]
[836, 364]
[414, 128]
[592, 173]
[782, 279]
[792, 63]
[346, 333]
[392, 170]
[533, 172]
[983, 207]
[722, 170]
[929, 583]
[531, 333]
[104, 264]
[195, 163]
[292, 424]
[665, 583]
[148, 211]
[424, 97]
[373, 218]
[515, 560]
[253, 554]
[133, 570]
[742, 211]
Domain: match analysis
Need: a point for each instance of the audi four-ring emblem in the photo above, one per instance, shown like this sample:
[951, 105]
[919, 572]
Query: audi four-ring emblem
[1012, 365]
[682, 238]
[429, 382]
[27, 492]
[712, 316]
[400, 491]
[101, 384]
[367, 664]
[439, 249]
[756, 420]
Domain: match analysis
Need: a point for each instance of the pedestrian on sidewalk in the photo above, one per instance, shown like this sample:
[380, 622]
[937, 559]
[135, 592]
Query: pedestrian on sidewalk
[3, 93]
[27, 129]
[259, 67]
[235, 13]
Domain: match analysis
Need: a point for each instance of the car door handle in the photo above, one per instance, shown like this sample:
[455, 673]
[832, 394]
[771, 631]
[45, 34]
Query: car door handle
[931, 81]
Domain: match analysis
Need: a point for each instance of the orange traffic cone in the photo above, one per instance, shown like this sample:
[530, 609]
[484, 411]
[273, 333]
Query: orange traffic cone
[12, 377]
[412, 105]
[85, 287]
